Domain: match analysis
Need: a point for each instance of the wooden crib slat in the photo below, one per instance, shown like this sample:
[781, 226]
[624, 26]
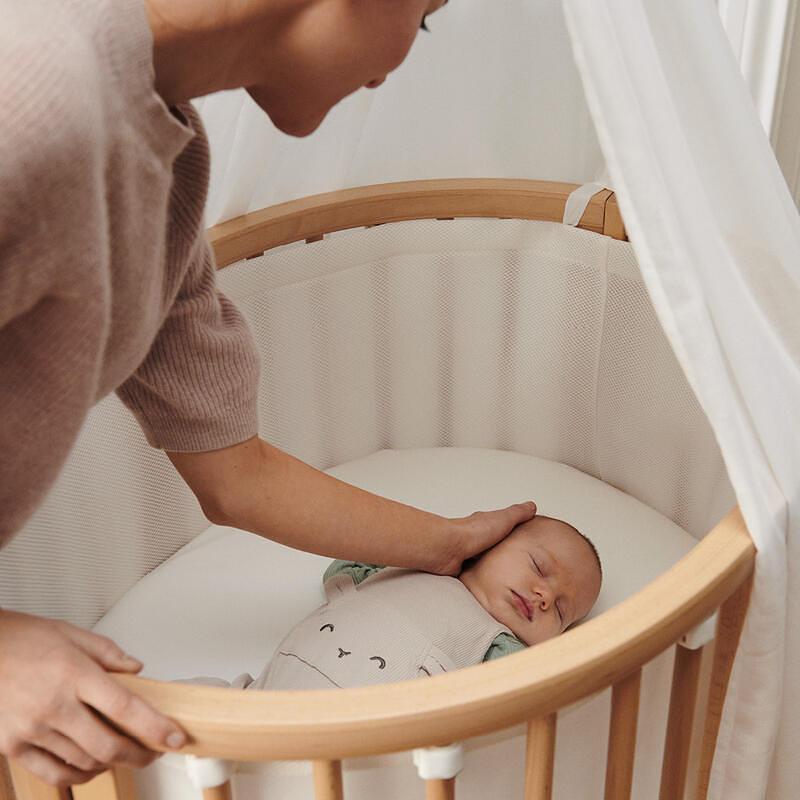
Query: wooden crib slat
[440, 789]
[729, 629]
[28, 787]
[622, 737]
[6, 789]
[540, 752]
[221, 792]
[682, 704]
[116, 784]
[328, 780]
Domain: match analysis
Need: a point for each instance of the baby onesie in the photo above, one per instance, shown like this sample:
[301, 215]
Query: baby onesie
[394, 625]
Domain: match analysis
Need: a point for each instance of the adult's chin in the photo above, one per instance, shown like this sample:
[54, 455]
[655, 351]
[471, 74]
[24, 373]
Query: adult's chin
[291, 121]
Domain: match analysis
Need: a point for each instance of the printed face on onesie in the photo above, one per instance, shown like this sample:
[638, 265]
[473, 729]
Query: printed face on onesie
[539, 580]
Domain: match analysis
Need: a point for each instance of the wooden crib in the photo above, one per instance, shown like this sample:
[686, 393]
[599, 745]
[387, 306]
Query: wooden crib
[529, 687]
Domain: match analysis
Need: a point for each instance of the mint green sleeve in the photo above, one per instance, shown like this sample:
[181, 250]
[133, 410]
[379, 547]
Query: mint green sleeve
[355, 569]
[504, 644]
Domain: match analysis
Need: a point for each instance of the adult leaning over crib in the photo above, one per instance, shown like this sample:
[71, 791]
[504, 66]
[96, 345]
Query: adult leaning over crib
[107, 283]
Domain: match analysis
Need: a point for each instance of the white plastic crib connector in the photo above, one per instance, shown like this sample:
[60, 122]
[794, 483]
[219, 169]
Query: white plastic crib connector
[439, 763]
[206, 773]
[700, 635]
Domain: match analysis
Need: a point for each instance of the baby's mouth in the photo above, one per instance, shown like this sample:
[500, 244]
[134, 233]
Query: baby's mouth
[523, 607]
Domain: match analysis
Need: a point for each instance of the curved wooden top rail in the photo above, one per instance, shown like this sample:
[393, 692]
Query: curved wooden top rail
[340, 723]
[313, 217]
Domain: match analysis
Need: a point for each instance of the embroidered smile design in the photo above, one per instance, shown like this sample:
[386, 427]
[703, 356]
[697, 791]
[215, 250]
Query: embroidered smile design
[343, 653]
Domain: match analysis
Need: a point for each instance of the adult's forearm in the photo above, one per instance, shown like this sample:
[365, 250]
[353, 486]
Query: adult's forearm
[256, 487]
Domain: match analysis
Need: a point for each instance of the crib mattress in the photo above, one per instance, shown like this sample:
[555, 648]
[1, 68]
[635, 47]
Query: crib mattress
[220, 605]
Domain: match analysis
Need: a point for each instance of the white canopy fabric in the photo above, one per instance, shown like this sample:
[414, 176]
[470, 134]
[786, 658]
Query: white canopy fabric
[718, 239]
[493, 91]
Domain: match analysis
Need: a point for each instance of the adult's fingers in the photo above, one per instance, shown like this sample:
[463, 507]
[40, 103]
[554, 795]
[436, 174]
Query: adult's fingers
[67, 750]
[52, 770]
[484, 529]
[520, 512]
[101, 649]
[127, 711]
[101, 742]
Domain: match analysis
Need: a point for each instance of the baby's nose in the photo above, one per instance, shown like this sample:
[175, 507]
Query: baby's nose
[343, 653]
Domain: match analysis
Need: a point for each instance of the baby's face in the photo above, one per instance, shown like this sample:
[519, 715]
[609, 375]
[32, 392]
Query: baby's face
[538, 581]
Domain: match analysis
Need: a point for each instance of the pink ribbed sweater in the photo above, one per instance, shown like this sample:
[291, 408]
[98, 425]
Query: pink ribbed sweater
[106, 278]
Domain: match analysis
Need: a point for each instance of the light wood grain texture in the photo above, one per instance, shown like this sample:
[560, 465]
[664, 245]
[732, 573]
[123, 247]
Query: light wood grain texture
[367, 206]
[116, 784]
[28, 787]
[622, 737]
[6, 789]
[221, 792]
[125, 784]
[103, 787]
[540, 750]
[266, 726]
[328, 780]
[729, 630]
[440, 789]
[682, 704]
[613, 225]
[698, 726]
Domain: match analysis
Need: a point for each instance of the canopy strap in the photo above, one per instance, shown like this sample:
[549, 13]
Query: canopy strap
[578, 200]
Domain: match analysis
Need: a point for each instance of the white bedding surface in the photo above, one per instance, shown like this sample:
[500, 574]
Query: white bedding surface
[221, 604]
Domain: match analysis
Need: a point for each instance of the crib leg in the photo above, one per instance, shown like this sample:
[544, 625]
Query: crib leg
[444, 789]
[28, 787]
[438, 767]
[539, 757]
[622, 737]
[683, 699]
[211, 776]
[729, 629]
[328, 780]
[221, 792]
[6, 789]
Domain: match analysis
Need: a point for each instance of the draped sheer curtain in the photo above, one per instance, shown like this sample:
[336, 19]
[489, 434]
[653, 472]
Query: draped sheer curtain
[718, 240]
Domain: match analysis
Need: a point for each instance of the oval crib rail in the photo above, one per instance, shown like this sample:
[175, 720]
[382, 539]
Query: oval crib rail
[481, 699]
[311, 218]
[607, 651]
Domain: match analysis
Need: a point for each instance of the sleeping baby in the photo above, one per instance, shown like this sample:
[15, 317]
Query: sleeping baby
[381, 625]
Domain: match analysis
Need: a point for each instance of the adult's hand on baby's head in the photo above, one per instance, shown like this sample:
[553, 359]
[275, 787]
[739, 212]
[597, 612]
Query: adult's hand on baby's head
[62, 714]
[482, 530]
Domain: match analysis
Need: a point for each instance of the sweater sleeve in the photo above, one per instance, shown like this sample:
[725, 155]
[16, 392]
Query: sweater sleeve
[196, 388]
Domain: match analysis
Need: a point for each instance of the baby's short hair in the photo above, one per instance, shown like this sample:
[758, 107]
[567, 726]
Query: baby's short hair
[583, 536]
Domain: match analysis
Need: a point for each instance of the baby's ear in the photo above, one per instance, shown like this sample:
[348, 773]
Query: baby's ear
[337, 585]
